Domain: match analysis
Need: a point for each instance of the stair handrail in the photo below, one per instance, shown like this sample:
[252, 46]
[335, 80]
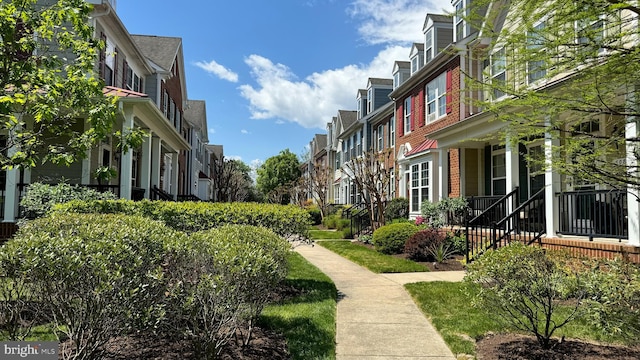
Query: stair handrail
[516, 213]
[494, 205]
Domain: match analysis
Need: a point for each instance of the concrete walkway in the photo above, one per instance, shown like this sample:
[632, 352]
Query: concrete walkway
[376, 317]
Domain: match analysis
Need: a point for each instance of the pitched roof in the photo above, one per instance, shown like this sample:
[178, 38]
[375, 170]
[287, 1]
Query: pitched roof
[437, 18]
[161, 50]
[428, 144]
[320, 142]
[348, 117]
[196, 112]
[379, 81]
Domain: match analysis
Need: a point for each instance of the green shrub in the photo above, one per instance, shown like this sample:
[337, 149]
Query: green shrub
[220, 280]
[39, 198]
[331, 221]
[398, 208]
[347, 233]
[284, 220]
[315, 215]
[343, 224]
[365, 238]
[422, 245]
[99, 275]
[458, 242]
[390, 239]
[524, 287]
[613, 297]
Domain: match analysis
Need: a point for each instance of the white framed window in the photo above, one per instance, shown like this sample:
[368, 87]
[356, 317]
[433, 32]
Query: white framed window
[498, 72]
[590, 32]
[536, 70]
[498, 170]
[336, 194]
[428, 46]
[419, 185]
[392, 131]
[407, 115]
[396, 79]
[414, 64]
[436, 98]
[459, 22]
[369, 100]
[359, 107]
[380, 137]
[358, 143]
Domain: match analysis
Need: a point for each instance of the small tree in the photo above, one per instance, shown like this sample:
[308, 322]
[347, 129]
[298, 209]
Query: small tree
[525, 287]
[232, 180]
[371, 173]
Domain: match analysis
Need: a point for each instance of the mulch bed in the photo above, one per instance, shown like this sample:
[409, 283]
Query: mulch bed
[523, 347]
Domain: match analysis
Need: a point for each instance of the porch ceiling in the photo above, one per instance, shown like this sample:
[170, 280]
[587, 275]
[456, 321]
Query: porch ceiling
[473, 132]
[149, 117]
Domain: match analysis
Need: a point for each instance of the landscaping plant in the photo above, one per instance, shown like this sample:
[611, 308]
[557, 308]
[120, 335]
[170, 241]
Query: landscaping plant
[421, 245]
[397, 208]
[98, 276]
[525, 287]
[39, 198]
[390, 239]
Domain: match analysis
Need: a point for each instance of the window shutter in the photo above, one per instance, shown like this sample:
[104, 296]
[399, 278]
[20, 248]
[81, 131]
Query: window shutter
[125, 69]
[449, 90]
[421, 110]
[400, 120]
[414, 111]
[115, 69]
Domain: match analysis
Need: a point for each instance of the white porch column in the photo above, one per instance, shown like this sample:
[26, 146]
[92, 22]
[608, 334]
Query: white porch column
[156, 161]
[86, 162]
[145, 166]
[512, 168]
[551, 186]
[434, 181]
[174, 175]
[11, 193]
[126, 159]
[443, 174]
[633, 196]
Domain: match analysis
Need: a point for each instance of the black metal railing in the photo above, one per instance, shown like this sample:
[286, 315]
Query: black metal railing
[526, 223]
[479, 229]
[593, 213]
[189, 197]
[159, 194]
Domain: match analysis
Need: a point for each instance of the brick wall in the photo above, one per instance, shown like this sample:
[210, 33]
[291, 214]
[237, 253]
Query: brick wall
[593, 249]
[420, 130]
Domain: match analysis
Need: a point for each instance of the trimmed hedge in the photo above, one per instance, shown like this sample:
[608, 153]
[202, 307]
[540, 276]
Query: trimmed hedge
[390, 239]
[284, 220]
[39, 198]
[96, 276]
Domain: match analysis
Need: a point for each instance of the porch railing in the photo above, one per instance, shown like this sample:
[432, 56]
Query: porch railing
[593, 213]
[479, 229]
[189, 197]
[526, 223]
[159, 194]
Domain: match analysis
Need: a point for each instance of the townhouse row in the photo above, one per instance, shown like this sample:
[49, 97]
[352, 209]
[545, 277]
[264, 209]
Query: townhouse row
[443, 145]
[147, 74]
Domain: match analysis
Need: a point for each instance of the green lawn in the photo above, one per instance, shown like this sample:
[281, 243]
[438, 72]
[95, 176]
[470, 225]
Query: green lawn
[308, 321]
[325, 234]
[371, 259]
[448, 305]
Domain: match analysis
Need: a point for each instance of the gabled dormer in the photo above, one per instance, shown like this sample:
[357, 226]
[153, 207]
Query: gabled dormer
[438, 34]
[401, 72]
[378, 91]
[460, 24]
[416, 57]
[361, 103]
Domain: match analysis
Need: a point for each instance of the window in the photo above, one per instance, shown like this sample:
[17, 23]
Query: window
[360, 115]
[134, 169]
[428, 46]
[459, 21]
[336, 194]
[396, 79]
[392, 184]
[590, 34]
[536, 68]
[380, 137]
[369, 100]
[345, 150]
[352, 142]
[436, 98]
[165, 104]
[392, 131]
[407, 115]
[498, 170]
[337, 165]
[359, 143]
[498, 72]
[419, 185]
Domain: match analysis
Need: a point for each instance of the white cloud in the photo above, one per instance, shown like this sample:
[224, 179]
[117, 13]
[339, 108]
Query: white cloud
[244, 131]
[311, 102]
[212, 67]
[394, 21]
[212, 131]
[234, 157]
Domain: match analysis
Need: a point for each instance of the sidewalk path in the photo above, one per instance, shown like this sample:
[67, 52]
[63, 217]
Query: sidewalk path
[376, 317]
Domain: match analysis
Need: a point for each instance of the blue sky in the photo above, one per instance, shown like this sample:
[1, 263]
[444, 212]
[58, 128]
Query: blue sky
[273, 73]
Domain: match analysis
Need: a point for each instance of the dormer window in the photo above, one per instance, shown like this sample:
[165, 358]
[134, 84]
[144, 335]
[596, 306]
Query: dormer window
[428, 46]
[396, 80]
[369, 100]
[498, 72]
[417, 57]
[458, 19]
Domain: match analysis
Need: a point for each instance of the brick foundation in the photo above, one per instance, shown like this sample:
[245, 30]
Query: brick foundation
[593, 249]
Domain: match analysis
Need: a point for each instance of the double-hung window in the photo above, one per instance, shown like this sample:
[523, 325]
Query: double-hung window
[590, 35]
[428, 46]
[498, 72]
[499, 170]
[459, 20]
[436, 98]
[380, 137]
[419, 185]
[392, 131]
[407, 115]
[536, 66]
